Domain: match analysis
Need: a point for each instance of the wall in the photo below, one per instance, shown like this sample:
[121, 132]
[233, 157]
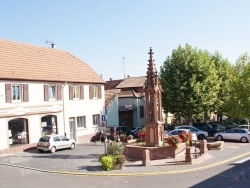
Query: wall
[112, 113]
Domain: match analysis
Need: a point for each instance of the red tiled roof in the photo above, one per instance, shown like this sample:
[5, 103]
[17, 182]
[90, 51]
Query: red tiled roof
[109, 95]
[132, 82]
[111, 84]
[26, 62]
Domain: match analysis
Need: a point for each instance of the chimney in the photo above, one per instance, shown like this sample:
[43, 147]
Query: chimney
[110, 79]
[128, 76]
[53, 45]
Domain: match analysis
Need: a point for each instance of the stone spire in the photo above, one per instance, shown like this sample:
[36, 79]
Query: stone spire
[153, 106]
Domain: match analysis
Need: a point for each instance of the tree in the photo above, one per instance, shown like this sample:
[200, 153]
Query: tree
[189, 82]
[238, 104]
[224, 72]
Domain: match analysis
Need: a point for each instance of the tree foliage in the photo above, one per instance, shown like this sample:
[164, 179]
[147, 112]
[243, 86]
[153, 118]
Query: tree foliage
[190, 82]
[238, 103]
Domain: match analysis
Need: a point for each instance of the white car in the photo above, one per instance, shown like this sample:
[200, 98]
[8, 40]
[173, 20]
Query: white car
[238, 134]
[54, 142]
[178, 131]
[199, 133]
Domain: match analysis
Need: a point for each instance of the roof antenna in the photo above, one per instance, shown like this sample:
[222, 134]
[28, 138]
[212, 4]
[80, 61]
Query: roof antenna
[123, 59]
[53, 45]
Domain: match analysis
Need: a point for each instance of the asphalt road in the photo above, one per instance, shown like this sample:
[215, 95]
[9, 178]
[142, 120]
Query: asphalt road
[220, 170]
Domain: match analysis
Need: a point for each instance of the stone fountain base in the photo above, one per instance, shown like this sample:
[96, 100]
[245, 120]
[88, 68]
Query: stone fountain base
[155, 153]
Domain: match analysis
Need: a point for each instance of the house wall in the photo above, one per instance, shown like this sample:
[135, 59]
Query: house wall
[112, 113]
[36, 108]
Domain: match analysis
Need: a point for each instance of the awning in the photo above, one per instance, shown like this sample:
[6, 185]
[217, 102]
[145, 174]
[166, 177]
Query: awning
[127, 108]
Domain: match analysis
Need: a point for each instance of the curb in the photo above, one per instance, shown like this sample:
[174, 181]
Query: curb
[132, 174]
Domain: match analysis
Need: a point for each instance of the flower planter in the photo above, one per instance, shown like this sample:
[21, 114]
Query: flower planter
[117, 167]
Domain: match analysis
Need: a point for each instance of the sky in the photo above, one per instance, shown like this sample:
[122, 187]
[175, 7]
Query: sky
[114, 36]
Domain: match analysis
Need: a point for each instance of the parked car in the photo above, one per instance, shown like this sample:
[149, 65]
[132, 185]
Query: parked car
[205, 127]
[177, 131]
[218, 127]
[199, 133]
[229, 124]
[55, 142]
[238, 134]
[135, 131]
[114, 131]
[169, 127]
[244, 126]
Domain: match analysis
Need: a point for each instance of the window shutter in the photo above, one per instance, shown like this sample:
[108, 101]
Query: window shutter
[70, 92]
[81, 92]
[25, 93]
[8, 93]
[90, 92]
[99, 92]
[59, 92]
[46, 93]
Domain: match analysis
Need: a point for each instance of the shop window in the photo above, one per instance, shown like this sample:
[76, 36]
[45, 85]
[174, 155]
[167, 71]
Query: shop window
[49, 124]
[18, 131]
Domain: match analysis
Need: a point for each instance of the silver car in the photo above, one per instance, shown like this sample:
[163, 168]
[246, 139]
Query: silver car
[238, 134]
[54, 142]
[176, 132]
[199, 133]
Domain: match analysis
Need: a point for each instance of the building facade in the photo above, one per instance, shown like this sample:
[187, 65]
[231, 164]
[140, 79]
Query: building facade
[125, 102]
[44, 91]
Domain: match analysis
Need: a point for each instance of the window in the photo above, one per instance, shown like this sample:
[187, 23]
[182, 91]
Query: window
[81, 122]
[76, 92]
[95, 92]
[52, 92]
[96, 119]
[16, 92]
[141, 111]
[57, 139]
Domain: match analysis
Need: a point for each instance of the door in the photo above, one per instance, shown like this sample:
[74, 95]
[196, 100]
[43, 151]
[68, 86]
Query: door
[72, 128]
[126, 118]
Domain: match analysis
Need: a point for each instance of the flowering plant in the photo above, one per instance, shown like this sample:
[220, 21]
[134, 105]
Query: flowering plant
[123, 137]
[174, 141]
[185, 136]
[119, 159]
[141, 133]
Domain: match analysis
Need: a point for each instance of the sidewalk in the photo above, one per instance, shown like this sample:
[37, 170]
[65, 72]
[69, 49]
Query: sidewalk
[83, 160]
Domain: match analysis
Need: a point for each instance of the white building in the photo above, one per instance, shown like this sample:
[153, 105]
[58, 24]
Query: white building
[44, 90]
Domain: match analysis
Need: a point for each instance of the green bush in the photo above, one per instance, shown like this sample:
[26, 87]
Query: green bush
[115, 148]
[107, 162]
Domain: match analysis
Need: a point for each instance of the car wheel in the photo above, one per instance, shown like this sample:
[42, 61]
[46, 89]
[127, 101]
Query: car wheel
[72, 146]
[201, 137]
[243, 139]
[219, 138]
[53, 149]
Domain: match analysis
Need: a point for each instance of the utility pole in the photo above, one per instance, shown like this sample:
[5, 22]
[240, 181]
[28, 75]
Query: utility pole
[123, 66]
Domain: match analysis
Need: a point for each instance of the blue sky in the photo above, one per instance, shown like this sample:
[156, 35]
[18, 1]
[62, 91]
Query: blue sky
[102, 32]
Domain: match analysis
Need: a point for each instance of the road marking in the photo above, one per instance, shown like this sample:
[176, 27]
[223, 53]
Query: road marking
[242, 161]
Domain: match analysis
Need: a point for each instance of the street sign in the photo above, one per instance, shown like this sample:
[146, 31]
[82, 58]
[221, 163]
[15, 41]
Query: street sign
[104, 117]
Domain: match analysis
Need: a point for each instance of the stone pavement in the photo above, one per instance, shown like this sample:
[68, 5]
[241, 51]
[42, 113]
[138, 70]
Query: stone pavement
[83, 160]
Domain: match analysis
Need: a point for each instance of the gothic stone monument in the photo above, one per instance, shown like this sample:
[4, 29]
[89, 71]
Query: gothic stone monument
[153, 105]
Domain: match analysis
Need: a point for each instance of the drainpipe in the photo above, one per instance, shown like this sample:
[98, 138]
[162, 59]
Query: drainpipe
[64, 123]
